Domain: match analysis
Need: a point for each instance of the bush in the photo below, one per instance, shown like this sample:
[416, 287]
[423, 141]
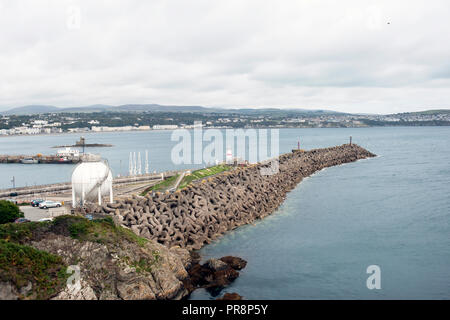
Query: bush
[21, 264]
[9, 212]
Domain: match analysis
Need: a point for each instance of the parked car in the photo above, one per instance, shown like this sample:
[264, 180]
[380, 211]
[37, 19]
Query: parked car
[21, 220]
[36, 202]
[49, 204]
[45, 219]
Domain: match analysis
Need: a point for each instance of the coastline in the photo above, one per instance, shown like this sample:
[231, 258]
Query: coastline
[206, 128]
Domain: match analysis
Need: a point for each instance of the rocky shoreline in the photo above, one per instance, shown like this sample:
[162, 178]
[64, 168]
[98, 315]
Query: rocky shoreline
[73, 258]
[203, 211]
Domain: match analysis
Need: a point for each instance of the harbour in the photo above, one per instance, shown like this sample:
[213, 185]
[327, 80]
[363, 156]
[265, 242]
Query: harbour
[303, 250]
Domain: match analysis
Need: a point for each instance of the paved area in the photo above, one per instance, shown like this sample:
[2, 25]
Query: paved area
[34, 213]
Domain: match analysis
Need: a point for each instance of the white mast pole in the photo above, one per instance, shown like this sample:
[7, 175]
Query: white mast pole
[146, 161]
[130, 165]
[134, 168]
[139, 164]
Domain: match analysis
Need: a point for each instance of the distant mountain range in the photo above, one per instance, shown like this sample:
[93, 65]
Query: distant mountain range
[39, 109]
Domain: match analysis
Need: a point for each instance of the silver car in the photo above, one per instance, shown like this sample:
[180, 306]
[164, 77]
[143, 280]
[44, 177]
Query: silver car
[49, 204]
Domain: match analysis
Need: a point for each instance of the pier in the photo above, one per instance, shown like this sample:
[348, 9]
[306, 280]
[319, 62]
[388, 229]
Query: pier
[204, 210]
[52, 159]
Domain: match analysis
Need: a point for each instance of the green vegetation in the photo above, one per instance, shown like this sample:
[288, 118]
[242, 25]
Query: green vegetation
[144, 265]
[198, 174]
[22, 232]
[23, 265]
[9, 212]
[98, 230]
[202, 173]
[161, 186]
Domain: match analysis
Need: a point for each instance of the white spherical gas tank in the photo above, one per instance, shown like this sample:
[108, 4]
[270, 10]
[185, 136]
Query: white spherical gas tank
[88, 178]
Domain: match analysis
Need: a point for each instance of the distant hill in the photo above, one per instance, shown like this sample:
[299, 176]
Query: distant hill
[31, 109]
[37, 109]
[429, 112]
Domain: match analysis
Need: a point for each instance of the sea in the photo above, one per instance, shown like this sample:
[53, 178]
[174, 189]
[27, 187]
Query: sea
[391, 213]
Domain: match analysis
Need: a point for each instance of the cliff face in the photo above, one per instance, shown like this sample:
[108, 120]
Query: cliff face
[113, 262]
[203, 211]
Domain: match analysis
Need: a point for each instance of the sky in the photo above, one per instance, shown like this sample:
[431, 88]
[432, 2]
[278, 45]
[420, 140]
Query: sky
[350, 55]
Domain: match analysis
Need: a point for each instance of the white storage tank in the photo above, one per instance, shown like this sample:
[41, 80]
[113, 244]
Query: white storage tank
[91, 180]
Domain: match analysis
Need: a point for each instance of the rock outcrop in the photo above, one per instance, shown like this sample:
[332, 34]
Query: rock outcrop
[214, 274]
[113, 262]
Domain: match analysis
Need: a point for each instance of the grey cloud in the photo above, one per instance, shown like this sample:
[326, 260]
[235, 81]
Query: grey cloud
[228, 53]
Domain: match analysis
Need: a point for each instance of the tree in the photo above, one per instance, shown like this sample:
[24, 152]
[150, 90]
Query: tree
[9, 212]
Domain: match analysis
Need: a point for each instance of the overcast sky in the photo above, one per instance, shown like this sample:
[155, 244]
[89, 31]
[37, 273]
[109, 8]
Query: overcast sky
[353, 56]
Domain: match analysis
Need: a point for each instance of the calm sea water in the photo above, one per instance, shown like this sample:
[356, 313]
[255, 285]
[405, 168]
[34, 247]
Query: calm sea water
[392, 211]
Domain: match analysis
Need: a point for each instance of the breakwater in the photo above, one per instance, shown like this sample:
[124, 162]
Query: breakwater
[52, 159]
[205, 210]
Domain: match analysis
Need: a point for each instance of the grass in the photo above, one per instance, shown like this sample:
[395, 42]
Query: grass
[98, 230]
[21, 232]
[21, 264]
[144, 265]
[161, 186]
[197, 174]
[202, 173]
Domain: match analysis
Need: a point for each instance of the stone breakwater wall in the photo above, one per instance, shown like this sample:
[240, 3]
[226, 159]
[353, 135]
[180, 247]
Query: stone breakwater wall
[203, 211]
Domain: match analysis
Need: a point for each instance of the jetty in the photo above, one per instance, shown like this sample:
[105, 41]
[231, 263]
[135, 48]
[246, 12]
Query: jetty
[39, 158]
[82, 144]
[204, 210]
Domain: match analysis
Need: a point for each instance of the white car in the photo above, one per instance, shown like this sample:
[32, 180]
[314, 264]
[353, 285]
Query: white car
[49, 204]
[45, 219]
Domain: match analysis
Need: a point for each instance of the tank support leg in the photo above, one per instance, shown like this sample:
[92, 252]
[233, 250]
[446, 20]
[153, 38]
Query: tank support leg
[111, 200]
[74, 204]
[82, 194]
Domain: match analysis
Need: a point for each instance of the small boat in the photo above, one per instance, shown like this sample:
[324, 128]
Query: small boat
[64, 160]
[68, 152]
[29, 161]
